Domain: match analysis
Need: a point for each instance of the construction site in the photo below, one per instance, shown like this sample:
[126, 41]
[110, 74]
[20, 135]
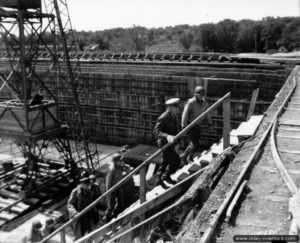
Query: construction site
[64, 111]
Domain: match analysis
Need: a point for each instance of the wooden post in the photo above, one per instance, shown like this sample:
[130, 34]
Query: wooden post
[226, 123]
[252, 103]
[143, 185]
[63, 236]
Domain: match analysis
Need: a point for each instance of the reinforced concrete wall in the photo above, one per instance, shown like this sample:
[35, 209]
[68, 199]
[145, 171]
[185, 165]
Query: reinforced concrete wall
[124, 101]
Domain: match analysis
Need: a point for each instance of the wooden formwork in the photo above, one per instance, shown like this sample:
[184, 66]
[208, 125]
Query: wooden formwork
[15, 120]
[131, 97]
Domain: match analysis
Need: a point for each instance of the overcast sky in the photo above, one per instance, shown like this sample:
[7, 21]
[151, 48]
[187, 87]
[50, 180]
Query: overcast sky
[105, 14]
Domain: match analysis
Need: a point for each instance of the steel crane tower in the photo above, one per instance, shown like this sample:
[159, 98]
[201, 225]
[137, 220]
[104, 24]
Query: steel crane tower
[31, 89]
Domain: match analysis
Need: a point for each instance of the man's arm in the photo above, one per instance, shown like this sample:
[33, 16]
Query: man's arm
[109, 180]
[158, 128]
[71, 204]
[185, 115]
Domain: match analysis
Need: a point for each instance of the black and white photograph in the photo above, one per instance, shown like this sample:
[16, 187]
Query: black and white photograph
[162, 121]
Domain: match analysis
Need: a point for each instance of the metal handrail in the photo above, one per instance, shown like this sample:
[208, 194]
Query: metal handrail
[137, 169]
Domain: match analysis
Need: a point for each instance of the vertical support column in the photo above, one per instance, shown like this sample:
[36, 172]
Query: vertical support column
[226, 123]
[143, 185]
[26, 93]
[63, 236]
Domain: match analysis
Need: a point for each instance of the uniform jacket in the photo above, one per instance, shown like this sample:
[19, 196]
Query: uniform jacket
[166, 125]
[192, 109]
[114, 176]
[79, 200]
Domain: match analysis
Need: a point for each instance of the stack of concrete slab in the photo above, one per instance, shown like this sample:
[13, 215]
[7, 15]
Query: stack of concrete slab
[248, 128]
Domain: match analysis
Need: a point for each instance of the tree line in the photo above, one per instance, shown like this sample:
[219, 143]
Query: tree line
[266, 35]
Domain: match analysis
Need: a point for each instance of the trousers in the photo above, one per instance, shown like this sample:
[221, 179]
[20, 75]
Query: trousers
[169, 164]
[194, 144]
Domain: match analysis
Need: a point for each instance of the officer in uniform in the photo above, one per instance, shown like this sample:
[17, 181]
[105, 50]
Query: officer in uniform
[192, 109]
[79, 199]
[165, 130]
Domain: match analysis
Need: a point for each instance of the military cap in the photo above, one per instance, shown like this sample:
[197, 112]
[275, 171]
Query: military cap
[173, 101]
[84, 177]
[116, 157]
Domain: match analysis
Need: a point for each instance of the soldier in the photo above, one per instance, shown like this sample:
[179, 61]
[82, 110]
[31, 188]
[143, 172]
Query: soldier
[95, 192]
[79, 199]
[35, 233]
[165, 130]
[116, 198]
[48, 228]
[192, 109]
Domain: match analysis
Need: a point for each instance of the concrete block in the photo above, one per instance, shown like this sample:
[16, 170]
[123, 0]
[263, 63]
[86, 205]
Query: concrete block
[217, 149]
[194, 167]
[247, 129]
[184, 174]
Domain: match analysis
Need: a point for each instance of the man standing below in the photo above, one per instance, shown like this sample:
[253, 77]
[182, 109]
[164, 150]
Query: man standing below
[192, 109]
[165, 130]
[95, 193]
[116, 198]
[79, 199]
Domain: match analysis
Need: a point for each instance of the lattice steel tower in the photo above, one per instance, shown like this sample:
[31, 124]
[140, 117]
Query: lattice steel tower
[30, 90]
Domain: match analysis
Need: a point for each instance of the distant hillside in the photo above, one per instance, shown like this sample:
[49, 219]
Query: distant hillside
[164, 48]
[266, 35]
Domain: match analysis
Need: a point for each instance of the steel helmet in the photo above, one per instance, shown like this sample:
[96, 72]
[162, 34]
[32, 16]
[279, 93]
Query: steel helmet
[199, 90]
[36, 224]
[116, 157]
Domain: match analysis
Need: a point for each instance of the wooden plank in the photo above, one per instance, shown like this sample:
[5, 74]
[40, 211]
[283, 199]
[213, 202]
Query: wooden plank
[183, 175]
[289, 129]
[292, 109]
[8, 194]
[289, 151]
[218, 149]
[150, 171]
[226, 123]
[194, 167]
[285, 175]
[289, 122]
[294, 172]
[252, 103]
[249, 128]
[7, 216]
[17, 210]
[233, 137]
[288, 137]
[143, 184]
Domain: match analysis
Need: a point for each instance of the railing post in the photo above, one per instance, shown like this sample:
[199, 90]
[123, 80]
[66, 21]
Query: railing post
[226, 123]
[63, 236]
[143, 185]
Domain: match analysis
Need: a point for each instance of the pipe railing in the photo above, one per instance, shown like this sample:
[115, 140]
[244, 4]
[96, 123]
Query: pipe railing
[225, 100]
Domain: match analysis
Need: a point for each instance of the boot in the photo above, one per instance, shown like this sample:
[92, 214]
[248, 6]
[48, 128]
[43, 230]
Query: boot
[183, 159]
[161, 183]
[170, 181]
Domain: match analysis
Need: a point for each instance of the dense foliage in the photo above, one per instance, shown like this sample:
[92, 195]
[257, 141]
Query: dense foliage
[267, 35]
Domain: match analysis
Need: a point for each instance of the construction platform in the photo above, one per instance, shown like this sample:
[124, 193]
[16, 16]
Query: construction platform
[16, 221]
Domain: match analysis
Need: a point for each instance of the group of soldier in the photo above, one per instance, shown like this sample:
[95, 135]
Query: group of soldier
[39, 231]
[166, 128]
[88, 191]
